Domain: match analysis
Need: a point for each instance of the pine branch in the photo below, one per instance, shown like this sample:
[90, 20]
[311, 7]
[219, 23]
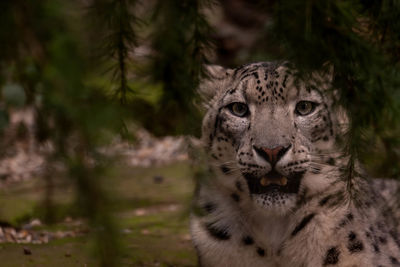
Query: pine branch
[180, 41]
[117, 21]
[200, 41]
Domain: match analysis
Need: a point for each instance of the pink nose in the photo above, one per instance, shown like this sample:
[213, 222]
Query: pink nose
[272, 155]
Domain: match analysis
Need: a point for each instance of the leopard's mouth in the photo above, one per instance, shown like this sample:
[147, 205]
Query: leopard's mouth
[274, 182]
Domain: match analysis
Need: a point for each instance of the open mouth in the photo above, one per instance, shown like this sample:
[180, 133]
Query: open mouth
[274, 182]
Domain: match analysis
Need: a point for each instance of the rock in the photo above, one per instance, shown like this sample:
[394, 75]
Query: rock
[149, 150]
[35, 222]
[31, 224]
[158, 179]
[27, 251]
[145, 232]
[126, 231]
[140, 212]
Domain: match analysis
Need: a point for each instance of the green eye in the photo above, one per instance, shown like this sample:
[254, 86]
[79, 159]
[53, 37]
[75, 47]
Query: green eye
[304, 108]
[238, 109]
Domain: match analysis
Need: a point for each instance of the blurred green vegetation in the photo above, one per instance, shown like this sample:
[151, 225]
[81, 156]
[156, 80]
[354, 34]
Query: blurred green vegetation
[72, 62]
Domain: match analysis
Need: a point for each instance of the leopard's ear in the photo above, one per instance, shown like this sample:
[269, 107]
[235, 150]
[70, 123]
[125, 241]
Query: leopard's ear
[215, 79]
[217, 72]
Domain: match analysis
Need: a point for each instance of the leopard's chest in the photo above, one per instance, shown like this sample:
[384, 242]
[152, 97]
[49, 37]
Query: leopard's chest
[240, 249]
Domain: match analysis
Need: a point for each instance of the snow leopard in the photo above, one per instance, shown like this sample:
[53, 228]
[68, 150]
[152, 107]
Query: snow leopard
[275, 192]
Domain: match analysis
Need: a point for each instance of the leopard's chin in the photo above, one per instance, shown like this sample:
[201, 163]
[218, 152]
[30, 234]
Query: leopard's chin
[275, 203]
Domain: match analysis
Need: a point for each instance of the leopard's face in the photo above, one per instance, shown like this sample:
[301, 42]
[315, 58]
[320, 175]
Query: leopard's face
[269, 137]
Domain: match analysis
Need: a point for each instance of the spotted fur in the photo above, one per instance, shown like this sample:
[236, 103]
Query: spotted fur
[313, 220]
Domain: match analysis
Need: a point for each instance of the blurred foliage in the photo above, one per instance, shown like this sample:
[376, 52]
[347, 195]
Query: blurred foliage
[117, 36]
[73, 62]
[181, 37]
[74, 117]
[77, 63]
[13, 95]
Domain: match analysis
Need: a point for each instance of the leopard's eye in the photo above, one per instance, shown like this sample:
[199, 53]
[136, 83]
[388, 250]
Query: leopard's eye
[304, 108]
[238, 109]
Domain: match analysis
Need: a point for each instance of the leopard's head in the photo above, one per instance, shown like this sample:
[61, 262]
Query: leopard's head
[268, 135]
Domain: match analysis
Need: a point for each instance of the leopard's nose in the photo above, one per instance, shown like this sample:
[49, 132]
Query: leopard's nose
[272, 155]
